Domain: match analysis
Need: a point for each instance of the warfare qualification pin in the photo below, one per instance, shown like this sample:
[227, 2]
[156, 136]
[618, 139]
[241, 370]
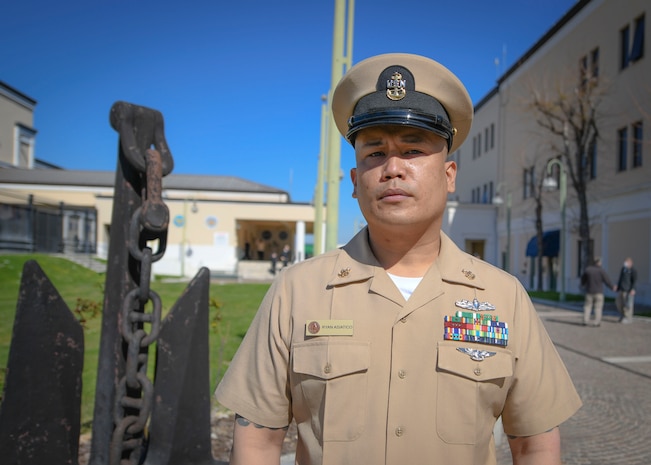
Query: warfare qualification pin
[476, 354]
[475, 305]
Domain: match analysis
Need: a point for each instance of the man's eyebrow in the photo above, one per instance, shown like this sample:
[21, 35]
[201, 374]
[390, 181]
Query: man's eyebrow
[375, 142]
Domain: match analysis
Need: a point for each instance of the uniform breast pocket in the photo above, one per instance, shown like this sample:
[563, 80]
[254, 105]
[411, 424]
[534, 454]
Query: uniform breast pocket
[331, 375]
[470, 393]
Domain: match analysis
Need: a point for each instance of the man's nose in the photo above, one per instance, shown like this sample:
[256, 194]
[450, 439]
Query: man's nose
[394, 167]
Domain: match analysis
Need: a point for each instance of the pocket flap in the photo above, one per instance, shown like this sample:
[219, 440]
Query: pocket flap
[499, 365]
[329, 359]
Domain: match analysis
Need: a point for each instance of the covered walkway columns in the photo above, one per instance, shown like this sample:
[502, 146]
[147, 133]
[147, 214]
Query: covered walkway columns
[299, 242]
[257, 240]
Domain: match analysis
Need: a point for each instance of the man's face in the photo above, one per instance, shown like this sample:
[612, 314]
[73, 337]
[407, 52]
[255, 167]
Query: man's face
[402, 177]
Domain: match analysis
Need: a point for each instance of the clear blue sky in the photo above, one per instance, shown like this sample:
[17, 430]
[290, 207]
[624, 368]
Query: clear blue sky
[240, 82]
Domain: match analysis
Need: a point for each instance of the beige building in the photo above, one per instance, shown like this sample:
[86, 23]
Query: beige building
[17, 135]
[507, 151]
[212, 218]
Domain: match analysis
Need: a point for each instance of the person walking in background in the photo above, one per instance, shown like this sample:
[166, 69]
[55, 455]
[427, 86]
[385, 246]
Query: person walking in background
[274, 262]
[286, 255]
[592, 281]
[626, 291]
[247, 251]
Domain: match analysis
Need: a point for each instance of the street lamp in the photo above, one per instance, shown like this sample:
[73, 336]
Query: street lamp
[550, 183]
[498, 200]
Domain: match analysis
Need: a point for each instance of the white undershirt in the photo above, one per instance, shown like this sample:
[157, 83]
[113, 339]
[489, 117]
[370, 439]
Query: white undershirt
[407, 286]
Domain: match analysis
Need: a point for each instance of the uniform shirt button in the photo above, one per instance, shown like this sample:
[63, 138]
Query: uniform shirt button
[402, 374]
[399, 431]
[403, 320]
[477, 371]
[327, 368]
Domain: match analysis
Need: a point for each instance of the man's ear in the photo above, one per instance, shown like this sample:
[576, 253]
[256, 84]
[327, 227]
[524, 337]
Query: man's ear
[353, 178]
[451, 175]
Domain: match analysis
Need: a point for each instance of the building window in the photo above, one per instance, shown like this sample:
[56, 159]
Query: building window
[624, 40]
[631, 50]
[528, 181]
[594, 64]
[24, 146]
[479, 144]
[476, 195]
[589, 68]
[486, 140]
[637, 144]
[622, 148]
[492, 135]
[637, 50]
[583, 71]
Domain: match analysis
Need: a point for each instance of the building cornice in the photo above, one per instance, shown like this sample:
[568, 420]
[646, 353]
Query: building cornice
[16, 96]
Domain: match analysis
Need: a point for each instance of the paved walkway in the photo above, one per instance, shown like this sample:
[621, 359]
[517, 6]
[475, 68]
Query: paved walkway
[611, 369]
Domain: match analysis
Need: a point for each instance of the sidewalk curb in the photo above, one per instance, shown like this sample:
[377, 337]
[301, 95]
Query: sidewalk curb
[577, 306]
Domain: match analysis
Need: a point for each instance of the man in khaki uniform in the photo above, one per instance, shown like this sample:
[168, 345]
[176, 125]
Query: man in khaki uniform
[399, 348]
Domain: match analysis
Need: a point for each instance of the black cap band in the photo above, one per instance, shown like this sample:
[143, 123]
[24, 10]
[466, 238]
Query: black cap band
[403, 117]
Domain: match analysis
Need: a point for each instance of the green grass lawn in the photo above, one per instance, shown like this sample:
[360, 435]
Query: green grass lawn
[231, 311]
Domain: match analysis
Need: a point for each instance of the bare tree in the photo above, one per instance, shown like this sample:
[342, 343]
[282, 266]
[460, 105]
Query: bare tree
[570, 117]
[536, 176]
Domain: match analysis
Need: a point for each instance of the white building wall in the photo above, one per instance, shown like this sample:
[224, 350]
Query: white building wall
[619, 201]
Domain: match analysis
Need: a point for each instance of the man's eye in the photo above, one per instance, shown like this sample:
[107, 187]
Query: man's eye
[413, 152]
[375, 154]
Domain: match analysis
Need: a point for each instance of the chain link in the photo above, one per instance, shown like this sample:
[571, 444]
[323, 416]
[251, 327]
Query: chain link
[135, 391]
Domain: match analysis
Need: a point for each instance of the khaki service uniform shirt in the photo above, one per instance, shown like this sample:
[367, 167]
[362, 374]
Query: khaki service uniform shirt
[395, 392]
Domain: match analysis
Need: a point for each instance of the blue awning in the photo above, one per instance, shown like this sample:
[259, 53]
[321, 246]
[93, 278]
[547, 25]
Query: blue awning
[551, 241]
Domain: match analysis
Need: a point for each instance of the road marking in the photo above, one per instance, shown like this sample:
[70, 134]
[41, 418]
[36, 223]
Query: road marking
[635, 359]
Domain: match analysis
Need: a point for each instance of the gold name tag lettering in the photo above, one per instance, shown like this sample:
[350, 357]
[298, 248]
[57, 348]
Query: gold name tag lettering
[329, 328]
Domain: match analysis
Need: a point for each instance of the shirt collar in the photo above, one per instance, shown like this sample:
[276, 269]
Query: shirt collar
[357, 263]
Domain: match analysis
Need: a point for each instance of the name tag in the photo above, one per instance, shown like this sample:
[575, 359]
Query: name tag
[329, 328]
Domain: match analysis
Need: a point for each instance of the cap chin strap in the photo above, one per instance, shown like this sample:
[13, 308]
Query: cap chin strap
[403, 117]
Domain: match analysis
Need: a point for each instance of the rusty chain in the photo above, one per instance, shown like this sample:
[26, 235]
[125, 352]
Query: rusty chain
[134, 395]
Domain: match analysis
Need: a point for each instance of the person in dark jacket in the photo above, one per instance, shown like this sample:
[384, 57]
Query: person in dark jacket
[592, 281]
[626, 291]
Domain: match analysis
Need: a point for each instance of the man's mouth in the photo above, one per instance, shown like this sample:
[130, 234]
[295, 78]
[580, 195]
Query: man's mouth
[393, 194]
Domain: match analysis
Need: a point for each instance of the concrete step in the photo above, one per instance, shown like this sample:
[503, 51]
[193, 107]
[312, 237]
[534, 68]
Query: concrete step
[85, 260]
[254, 270]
